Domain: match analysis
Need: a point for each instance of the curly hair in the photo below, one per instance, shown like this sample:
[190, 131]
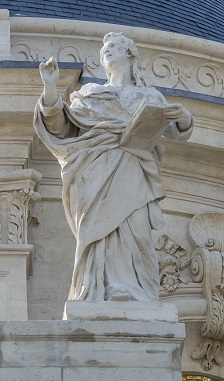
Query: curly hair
[135, 59]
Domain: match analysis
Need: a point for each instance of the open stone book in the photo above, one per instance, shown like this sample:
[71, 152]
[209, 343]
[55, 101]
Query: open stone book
[145, 128]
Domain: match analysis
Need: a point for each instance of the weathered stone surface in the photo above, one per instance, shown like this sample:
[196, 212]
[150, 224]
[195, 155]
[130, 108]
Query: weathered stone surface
[82, 347]
[112, 310]
[30, 374]
[127, 374]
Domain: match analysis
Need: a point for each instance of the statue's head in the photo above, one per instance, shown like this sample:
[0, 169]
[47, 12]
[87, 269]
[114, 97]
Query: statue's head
[117, 47]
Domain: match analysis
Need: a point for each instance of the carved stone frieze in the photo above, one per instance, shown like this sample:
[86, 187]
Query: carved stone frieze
[26, 51]
[170, 264]
[170, 71]
[199, 75]
[77, 53]
[207, 78]
[73, 52]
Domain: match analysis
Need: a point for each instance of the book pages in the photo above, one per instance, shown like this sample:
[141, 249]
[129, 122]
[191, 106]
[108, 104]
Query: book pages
[145, 128]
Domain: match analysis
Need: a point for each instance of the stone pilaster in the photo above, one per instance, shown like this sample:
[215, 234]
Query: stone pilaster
[5, 48]
[17, 193]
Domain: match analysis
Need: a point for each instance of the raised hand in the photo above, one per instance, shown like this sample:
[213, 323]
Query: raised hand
[176, 112]
[49, 72]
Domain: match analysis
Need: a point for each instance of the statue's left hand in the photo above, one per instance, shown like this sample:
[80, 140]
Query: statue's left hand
[177, 113]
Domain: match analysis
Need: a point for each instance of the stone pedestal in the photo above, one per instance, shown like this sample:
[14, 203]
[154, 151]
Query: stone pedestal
[113, 341]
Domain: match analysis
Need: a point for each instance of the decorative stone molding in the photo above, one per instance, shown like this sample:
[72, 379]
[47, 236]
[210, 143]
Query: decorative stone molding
[207, 266]
[170, 60]
[17, 194]
[206, 78]
[25, 50]
[170, 265]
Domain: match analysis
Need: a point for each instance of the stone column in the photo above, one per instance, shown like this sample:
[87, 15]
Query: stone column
[17, 193]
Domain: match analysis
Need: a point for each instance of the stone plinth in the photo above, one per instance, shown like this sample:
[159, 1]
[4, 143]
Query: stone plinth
[117, 310]
[101, 350]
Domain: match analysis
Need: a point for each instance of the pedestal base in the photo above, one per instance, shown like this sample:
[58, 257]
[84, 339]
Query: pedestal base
[115, 349]
[130, 310]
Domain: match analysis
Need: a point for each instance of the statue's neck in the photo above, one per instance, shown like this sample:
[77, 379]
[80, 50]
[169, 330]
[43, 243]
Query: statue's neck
[121, 77]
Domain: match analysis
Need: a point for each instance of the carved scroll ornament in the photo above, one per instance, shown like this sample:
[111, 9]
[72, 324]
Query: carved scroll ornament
[207, 78]
[26, 51]
[207, 231]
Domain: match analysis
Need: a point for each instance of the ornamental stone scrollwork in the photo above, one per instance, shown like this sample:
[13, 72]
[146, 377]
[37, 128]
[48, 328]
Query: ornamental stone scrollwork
[207, 266]
[170, 264]
[210, 78]
[207, 78]
[170, 71]
[24, 51]
[76, 53]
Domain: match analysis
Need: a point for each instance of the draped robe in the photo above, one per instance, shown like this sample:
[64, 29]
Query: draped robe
[110, 193]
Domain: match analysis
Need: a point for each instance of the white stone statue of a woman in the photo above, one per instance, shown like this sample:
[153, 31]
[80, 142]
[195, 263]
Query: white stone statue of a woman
[110, 194]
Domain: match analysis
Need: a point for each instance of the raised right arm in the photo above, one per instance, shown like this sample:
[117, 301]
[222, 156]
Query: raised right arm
[51, 104]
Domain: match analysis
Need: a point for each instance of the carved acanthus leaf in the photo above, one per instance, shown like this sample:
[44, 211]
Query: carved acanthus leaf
[214, 325]
[208, 351]
[14, 209]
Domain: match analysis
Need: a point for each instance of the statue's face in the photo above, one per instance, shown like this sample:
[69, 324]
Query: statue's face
[114, 54]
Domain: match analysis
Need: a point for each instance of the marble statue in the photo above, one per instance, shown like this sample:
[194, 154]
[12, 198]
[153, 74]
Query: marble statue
[111, 193]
